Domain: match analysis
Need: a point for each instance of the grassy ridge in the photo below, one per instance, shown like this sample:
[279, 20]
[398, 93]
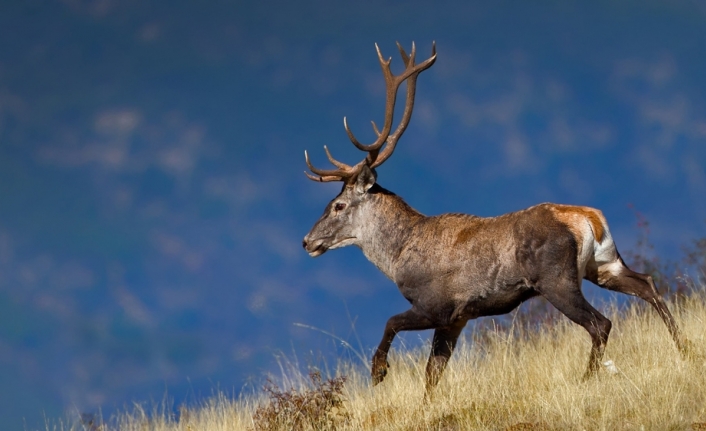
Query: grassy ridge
[518, 380]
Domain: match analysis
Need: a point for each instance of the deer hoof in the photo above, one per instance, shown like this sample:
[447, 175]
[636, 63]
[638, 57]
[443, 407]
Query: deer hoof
[379, 370]
[378, 375]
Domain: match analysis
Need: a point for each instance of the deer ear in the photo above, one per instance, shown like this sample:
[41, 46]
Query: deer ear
[366, 179]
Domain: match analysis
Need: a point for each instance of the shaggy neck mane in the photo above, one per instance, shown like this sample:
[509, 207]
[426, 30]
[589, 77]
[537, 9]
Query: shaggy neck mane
[391, 221]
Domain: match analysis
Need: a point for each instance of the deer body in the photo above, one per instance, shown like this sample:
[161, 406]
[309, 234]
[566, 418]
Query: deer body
[457, 267]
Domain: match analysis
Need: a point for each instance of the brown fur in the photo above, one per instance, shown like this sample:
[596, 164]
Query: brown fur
[466, 234]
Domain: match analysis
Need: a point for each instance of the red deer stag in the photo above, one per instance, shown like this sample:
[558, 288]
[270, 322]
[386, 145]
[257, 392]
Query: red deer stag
[456, 267]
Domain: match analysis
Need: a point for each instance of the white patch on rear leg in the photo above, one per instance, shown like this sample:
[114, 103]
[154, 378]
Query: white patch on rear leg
[606, 257]
[604, 252]
[614, 268]
[609, 270]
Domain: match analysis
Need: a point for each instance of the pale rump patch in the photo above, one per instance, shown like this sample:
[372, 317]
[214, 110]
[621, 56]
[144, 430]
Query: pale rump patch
[590, 230]
[572, 214]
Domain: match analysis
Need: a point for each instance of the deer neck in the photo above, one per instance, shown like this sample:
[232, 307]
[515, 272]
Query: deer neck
[388, 223]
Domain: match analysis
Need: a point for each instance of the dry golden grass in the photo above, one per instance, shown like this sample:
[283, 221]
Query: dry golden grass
[527, 380]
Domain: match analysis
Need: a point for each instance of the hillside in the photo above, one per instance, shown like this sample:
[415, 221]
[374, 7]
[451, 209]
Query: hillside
[517, 379]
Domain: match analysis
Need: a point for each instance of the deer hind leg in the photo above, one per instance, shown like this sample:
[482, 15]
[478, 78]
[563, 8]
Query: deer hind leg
[442, 346]
[618, 277]
[410, 320]
[571, 302]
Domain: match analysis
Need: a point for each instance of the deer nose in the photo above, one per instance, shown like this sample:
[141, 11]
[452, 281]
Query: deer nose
[304, 243]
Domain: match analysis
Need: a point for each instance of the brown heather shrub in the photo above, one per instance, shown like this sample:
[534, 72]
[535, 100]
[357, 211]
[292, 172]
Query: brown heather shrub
[319, 408]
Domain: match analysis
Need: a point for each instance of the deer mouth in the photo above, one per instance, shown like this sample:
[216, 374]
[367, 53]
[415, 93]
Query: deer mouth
[318, 251]
[317, 248]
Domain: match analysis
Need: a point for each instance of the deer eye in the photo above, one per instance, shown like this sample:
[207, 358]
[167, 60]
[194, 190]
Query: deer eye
[339, 206]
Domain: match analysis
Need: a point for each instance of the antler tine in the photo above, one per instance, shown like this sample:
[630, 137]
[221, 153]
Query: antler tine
[403, 54]
[377, 160]
[375, 128]
[343, 172]
[321, 172]
[321, 179]
[406, 58]
[335, 162]
[383, 62]
[351, 136]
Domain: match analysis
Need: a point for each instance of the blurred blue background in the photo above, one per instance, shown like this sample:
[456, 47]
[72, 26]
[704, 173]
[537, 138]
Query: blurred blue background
[152, 200]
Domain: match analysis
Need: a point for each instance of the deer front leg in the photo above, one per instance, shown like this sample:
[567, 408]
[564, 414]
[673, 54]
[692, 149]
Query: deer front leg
[442, 346]
[410, 320]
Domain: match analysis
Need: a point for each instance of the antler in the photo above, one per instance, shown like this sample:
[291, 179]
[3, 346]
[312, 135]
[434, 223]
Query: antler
[376, 157]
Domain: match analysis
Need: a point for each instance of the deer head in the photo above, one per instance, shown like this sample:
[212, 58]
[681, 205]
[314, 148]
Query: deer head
[344, 216]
